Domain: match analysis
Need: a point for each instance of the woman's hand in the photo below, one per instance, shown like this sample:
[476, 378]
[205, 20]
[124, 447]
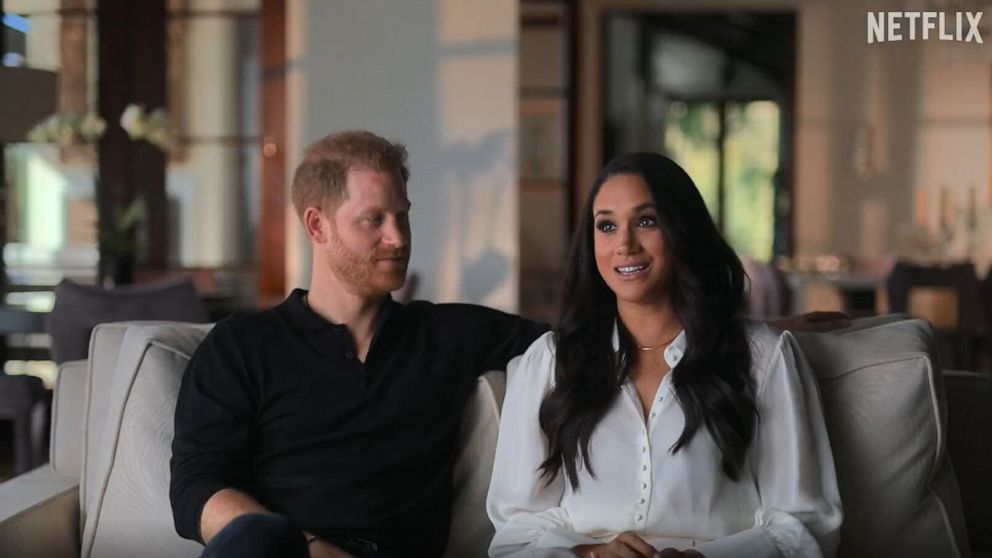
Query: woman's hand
[675, 553]
[625, 545]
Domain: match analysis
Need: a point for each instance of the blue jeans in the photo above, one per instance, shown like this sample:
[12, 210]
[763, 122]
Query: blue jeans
[257, 535]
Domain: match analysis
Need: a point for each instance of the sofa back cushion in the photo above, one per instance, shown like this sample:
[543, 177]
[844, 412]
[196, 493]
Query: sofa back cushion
[885, 413]
[471, 529]
[127, 507]
[106, 345]
[105, 348]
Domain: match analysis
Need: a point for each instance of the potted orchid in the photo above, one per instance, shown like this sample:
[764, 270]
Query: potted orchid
[118, 247]
[153, 127]
[68, 128]
[116, 242]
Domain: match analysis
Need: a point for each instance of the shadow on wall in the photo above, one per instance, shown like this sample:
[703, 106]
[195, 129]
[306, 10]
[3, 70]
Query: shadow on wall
[439, 76]
[484, 275]
[480, 175]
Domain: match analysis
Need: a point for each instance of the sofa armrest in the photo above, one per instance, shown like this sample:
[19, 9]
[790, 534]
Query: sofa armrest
[39, 515]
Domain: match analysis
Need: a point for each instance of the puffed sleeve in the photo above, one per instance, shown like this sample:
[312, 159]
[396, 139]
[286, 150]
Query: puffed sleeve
[800, 513]
[525, 509]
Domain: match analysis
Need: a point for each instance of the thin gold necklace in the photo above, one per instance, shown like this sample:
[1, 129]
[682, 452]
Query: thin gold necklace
[665, 344]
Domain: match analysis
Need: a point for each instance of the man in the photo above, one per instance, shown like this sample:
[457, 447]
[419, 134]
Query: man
[327, 425]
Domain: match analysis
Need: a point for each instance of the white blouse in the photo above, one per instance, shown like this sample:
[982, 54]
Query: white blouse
[786, 503]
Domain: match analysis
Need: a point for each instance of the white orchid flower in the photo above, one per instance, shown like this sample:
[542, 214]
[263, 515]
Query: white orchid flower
[53, 124]
[160, 138]
[66, 135]
[92, 127]
[39, 134]
[133, 121]
[70, 127]
[157, 129]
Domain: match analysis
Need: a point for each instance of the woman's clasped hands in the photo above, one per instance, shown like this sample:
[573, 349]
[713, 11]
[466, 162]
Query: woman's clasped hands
[629, 545]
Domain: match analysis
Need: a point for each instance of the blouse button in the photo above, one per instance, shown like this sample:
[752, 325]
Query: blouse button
[644, 485]
[640, 517]
[644, 467]
[642, 501]
[644, 449]
[654, 415]
[349, 355]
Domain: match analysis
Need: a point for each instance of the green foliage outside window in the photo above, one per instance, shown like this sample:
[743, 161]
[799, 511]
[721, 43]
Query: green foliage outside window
[750, 151]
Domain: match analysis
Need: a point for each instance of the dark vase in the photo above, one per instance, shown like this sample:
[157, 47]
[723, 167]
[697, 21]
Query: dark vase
[116, 270]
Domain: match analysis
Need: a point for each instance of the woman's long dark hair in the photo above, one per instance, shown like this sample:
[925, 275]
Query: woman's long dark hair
[712, 381]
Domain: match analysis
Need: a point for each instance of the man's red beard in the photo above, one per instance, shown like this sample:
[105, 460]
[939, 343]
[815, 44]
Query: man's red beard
[360, 274]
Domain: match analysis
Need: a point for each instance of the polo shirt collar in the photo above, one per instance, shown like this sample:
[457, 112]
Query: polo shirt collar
[309, 321]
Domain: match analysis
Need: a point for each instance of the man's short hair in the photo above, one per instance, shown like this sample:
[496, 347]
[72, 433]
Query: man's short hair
[320, 179]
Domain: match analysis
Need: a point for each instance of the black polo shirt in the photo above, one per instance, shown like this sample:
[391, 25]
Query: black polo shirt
[277, 405]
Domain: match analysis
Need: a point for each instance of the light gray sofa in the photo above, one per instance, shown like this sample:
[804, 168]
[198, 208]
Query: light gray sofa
[105, 492]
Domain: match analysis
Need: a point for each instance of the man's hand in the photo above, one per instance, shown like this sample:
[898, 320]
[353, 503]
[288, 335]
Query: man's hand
[625, 545]
[812, 321]
[320, 548]
[222, 508]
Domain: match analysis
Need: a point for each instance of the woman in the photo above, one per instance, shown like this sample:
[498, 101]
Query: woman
[655, 420]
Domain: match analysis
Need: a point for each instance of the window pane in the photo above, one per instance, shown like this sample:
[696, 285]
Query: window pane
[50, 211]
[213, 171]
[692, 133]
[14, 29]
[752, 146]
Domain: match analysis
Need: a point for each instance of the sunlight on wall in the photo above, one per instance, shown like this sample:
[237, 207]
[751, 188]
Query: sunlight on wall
[479, 240]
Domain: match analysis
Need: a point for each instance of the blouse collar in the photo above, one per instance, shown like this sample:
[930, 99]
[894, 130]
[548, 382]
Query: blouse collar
[673, 353]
